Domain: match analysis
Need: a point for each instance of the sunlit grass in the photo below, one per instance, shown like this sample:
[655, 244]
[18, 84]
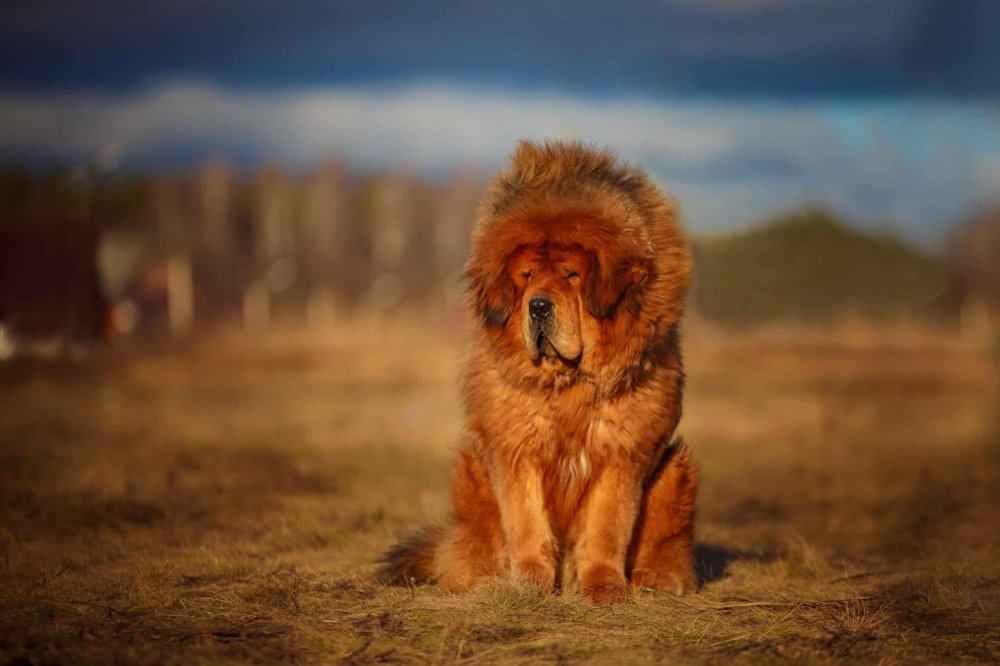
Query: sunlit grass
[225, 502]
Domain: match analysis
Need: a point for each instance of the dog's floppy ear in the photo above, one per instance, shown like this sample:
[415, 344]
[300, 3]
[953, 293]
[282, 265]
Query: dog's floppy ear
[612, 280]
[492, 293]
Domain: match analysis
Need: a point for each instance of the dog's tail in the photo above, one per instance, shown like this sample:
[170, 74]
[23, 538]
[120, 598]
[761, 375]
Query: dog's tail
[412, 559]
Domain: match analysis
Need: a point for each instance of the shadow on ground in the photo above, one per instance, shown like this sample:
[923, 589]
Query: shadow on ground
[711, 561]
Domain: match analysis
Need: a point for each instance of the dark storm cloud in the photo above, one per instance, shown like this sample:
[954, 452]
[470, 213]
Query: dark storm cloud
[884, 109]
[758, 47]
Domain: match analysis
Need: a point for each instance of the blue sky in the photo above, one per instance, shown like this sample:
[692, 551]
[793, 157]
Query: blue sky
[887, 110]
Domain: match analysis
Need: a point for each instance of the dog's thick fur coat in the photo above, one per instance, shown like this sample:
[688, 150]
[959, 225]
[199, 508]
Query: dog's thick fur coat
[566, 474]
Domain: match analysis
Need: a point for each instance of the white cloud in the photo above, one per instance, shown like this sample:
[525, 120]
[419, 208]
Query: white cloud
[730, 162]
[419, 126]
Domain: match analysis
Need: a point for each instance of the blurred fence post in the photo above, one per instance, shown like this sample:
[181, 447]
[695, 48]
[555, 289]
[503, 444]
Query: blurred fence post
[256, 306]
[273, 239]
[391, 227]
[322, 211]
[453, 224]
[215, 194]
[180, 294]
[974, 256]
[174, 242]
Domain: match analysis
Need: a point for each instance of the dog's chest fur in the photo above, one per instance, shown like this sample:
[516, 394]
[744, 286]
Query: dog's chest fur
[566, 440]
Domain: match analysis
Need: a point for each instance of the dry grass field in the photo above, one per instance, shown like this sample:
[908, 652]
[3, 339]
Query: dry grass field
[225, 503]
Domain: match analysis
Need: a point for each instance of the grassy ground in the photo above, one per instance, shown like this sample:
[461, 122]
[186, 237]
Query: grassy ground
[225, 503]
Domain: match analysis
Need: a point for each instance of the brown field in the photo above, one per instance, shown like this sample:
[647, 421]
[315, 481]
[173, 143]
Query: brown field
[225, 503]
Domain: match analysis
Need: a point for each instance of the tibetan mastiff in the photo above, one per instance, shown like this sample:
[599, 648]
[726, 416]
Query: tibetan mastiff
[568, 475]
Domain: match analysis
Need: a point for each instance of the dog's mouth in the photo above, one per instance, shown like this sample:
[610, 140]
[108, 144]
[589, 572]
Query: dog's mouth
[540, 345]
[538, 342]
[545, 346]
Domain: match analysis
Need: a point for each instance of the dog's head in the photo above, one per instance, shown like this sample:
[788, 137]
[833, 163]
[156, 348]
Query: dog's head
[554, 286]
[576, 261]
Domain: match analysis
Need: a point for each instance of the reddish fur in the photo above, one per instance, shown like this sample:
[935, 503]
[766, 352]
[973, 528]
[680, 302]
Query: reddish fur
[566, 475]
[665, 529]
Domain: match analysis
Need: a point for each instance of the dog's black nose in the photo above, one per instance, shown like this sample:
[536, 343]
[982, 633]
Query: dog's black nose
[540, 308]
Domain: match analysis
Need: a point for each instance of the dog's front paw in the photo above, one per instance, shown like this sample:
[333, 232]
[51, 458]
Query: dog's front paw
[537, 572]
[679, 581]
[603, 585]
[605, 595]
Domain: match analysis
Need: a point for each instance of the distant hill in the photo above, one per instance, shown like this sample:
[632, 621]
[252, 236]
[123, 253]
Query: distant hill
[810, 267]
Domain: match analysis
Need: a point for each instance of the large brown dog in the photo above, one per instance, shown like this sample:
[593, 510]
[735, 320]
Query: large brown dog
[573, 390]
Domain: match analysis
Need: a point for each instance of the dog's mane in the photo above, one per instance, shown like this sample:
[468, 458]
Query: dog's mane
[562, 168]
[547, 180]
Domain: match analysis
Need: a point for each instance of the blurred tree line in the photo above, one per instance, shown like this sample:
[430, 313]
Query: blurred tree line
[809, 265]
[214, 245]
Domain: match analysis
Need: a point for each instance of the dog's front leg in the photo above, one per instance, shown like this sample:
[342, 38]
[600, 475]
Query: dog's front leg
[609, 515]
[526, 525]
